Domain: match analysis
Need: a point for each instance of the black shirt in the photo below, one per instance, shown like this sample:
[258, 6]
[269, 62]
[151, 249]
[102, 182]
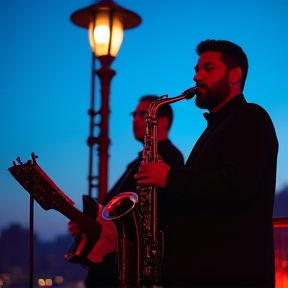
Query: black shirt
[126, 183]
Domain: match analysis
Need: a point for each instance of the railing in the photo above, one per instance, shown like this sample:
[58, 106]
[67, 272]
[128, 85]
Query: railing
[281, 251]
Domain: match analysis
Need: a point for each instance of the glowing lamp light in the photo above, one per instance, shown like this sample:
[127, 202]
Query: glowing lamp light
[48, 282]
[41, 282]
[59, 279]
[106, 22]
[101, 40]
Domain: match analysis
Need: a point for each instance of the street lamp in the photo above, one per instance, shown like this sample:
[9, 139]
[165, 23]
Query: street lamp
[105, 21]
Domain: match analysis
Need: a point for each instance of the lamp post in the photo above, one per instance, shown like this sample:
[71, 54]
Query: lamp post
[105, 21]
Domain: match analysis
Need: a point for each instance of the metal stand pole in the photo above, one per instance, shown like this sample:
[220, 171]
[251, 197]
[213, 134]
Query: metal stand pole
[105, 74]
[31, 242]
[92, 140]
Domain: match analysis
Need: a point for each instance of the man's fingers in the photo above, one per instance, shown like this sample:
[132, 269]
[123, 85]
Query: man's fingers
[140, 177]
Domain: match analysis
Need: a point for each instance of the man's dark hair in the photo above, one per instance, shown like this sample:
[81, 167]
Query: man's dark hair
[163, 111]
[232, 55]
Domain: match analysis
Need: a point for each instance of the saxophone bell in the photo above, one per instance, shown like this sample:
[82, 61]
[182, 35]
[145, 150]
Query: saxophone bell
[120, 205]
[123, 212]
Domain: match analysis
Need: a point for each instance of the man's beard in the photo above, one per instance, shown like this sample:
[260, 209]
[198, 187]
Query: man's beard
[214, 95]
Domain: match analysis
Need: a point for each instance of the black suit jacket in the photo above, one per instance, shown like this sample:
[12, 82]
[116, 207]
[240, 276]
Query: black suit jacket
[220, 231]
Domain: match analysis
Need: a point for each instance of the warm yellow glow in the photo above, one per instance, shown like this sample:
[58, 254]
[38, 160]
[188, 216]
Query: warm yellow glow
[117, 36]
[58, 279]
[5, 277]
[48, 282]
[1, 283]
[99, 34]
[41, 282]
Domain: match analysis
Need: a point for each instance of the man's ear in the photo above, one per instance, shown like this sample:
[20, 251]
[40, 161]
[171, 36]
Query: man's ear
[235, 75]
[162, 122]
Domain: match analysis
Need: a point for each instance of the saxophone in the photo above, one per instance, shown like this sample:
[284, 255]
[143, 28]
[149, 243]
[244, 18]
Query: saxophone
[140, 243]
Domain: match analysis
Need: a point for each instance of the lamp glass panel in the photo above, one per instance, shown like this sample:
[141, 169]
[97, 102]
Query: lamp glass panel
[117, 36]
[99, 34]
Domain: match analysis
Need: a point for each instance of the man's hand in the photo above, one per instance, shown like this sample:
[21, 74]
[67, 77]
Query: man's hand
[152, 174]
[74, 229]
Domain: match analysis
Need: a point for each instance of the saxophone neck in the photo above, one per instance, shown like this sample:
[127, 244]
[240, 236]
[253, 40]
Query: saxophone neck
[154, 106]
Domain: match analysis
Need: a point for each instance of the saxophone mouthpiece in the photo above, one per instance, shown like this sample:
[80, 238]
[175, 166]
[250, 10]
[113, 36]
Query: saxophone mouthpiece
[190, 93]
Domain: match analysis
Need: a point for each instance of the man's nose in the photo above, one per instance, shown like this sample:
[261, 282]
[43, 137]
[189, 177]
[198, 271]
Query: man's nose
[197, 78]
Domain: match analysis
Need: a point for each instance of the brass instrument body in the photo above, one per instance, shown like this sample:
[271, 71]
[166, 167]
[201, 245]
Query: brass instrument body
[140, 242]
[123, 212]
[152, 239]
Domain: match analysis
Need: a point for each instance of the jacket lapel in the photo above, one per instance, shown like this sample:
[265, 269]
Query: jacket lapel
[199, 144]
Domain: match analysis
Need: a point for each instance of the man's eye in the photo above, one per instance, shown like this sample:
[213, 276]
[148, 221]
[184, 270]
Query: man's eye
[209, 68]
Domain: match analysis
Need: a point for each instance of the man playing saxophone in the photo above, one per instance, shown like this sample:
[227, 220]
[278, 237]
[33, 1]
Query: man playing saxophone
[219, 226]
[105, 274]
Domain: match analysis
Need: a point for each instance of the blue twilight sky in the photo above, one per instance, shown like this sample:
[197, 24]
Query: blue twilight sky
[45, 80]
